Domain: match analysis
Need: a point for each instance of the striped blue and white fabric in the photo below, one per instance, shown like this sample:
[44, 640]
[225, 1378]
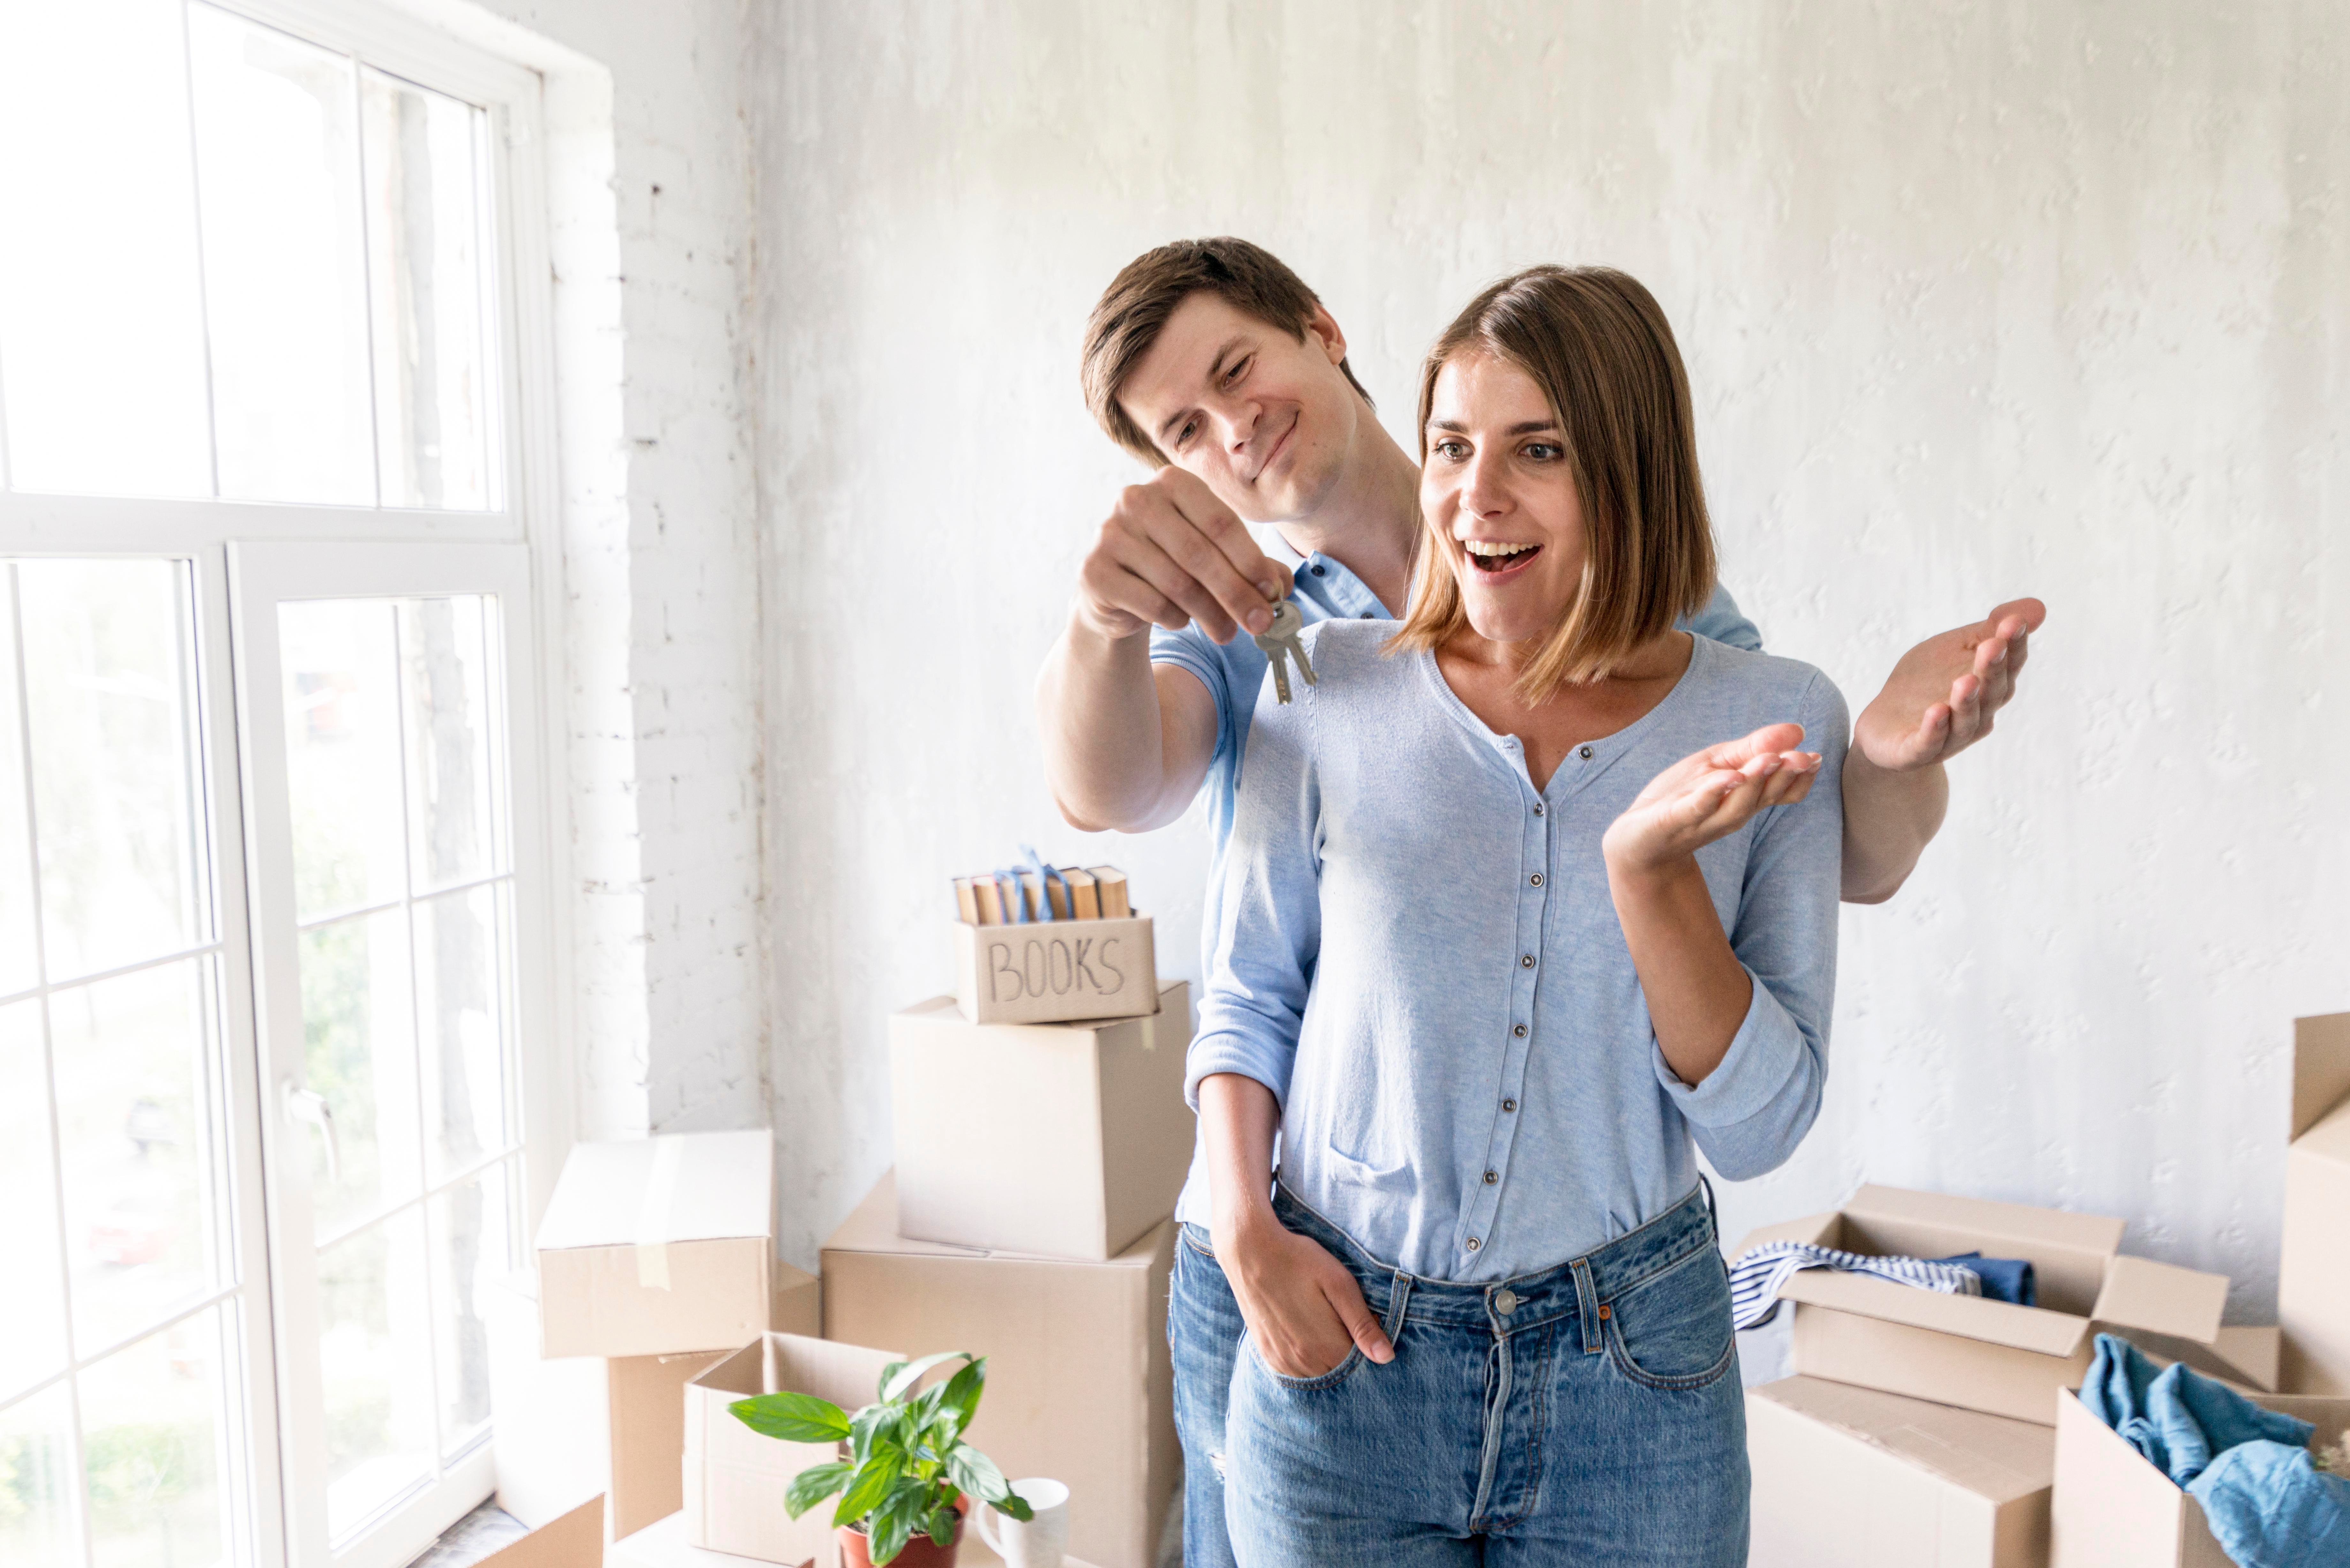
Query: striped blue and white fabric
[1756, 1278]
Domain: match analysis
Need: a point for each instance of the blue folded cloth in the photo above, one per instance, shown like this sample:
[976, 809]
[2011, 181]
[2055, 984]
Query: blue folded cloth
[2004, 1279]
[2268, 1505]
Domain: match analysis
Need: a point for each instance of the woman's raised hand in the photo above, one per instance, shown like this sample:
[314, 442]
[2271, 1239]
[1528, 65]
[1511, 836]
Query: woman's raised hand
[1710, 795]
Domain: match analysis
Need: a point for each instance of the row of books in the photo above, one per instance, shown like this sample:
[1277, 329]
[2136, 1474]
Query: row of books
[1011, 897]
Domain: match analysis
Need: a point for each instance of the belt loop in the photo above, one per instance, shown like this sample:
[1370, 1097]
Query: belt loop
[1398, 1293]
[1711, 1217]
[1587, 1302]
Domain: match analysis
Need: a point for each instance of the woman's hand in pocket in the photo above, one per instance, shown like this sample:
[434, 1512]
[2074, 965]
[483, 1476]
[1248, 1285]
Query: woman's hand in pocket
[1303, 1310]
[1710, 795]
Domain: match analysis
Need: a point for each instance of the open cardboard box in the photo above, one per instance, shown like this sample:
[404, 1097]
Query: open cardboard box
[1064, 1139]
[571, 1540]
[735, 1478]
[1852, 1478]
[1991, 1355]
[1052, 970]
[1079, 1386]
[2313, 1279]
[658, 1246]
[2114, 1509]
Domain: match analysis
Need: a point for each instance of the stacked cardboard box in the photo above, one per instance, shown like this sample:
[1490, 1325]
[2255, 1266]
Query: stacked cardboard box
[2313, 1277]
[1027, 1221]
[655, 1258]
[1947, 1406]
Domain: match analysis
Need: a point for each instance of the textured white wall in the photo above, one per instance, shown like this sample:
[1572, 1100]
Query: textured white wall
[1977, 300]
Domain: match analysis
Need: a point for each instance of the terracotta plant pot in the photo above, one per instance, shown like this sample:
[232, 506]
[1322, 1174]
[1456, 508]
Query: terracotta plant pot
[920, 1552]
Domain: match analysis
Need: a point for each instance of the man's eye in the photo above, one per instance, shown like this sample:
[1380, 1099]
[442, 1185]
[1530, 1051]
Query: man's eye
[1233, 377]
[1184, 436]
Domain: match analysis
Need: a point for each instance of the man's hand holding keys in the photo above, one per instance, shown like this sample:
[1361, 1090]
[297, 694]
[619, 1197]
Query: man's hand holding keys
[1171, 553]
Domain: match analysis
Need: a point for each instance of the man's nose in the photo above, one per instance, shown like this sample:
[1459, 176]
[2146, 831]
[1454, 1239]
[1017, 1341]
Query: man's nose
[1238, 420]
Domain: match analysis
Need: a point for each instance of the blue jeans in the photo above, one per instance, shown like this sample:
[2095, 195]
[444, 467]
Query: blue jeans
[1204, 1333]
[1587, 1414]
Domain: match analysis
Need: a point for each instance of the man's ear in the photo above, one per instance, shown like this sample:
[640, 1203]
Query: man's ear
[1322, 327]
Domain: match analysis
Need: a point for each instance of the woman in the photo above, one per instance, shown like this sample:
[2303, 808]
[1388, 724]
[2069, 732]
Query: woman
[1504, 942]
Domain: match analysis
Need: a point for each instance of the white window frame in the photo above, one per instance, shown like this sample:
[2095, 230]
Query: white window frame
[520, 544]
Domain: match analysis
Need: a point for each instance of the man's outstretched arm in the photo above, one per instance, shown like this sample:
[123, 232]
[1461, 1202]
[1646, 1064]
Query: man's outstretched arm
[1939, 700]
[1126, 742]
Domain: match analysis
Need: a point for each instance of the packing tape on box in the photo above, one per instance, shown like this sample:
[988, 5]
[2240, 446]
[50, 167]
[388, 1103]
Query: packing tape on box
[652, 1216]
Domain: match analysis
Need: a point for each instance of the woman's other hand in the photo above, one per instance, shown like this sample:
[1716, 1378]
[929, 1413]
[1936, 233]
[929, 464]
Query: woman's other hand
[1303, 1308]
[1710, 795]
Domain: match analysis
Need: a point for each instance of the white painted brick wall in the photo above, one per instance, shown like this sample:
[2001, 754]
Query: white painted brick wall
[1976, 301]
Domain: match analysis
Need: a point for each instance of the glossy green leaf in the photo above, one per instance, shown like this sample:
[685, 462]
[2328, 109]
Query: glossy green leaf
[813, 1485]
[872, 1483]
[962, 1392]
[903, 1376]
[975, 1473]
[792, 1418]
[889, 1536]
[942, 1524]
[1017, 1506]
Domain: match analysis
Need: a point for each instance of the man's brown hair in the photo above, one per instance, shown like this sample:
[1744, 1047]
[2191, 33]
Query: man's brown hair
[1128, 317]
[1597, 345]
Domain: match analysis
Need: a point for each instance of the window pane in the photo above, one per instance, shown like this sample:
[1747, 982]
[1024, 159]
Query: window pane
[132, 1065]
[375, 1365]
[473, 1243]
[114, 787]
[37, 1481]
[360, 1052]
[342, 754]
[461, 1018]
[101, 330]
[424, 267]
[454, 829]
[33, 1306]
[279, 180]
[154, 1442]
[19, 961]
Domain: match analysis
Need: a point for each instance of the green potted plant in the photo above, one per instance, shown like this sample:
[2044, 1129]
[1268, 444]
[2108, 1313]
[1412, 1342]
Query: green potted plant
[905, 1482]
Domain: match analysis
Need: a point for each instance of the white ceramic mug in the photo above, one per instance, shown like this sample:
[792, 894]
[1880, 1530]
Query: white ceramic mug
[1038, 1543]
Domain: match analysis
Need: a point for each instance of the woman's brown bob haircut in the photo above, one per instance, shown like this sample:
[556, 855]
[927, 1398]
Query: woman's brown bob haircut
[1128, 317]
[1596, 343]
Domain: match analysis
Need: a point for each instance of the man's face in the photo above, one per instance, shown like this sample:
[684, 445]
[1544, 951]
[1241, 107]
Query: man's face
[1266, 422]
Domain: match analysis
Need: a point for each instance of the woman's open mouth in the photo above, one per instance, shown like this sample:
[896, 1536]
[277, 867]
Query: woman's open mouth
[1494, 559]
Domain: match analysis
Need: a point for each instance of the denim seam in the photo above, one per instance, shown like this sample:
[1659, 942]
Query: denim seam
[1338, 1374]
[1621, 1354]
[1185, 1232]
[1661, 1272]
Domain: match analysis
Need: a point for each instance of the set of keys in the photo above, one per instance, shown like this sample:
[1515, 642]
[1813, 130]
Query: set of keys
[1281, 644]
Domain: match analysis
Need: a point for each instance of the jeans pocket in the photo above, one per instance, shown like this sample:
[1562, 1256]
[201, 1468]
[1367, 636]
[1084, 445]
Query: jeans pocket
[1330, 1379]
[1672, 1330]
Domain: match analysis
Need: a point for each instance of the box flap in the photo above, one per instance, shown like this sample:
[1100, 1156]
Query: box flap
[1993, 1457]
[2163, 1298]
[2321, 1069]
[1971, 1317]
[872, 1226]
[1812, 1231]
[2329, 1138]
[574, 1540]
[1982, 1218]
[945, 1011]
[679, 1186]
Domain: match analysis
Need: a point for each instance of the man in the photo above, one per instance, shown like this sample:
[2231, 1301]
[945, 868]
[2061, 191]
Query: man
[1214, 364]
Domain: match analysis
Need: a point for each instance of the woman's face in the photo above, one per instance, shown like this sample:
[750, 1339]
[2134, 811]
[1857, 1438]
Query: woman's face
[1500, 491]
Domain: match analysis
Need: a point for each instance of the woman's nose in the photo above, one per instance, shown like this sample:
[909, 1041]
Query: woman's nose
[1482, 492]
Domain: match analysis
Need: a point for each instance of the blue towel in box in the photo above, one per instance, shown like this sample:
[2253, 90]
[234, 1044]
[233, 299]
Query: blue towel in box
[2004, 1279]
[2268, 1505]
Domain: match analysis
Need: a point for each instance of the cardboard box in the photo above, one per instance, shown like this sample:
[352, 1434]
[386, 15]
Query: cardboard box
[1078, 1384]
[664, 1545]
[573, 1428]
[1050, 971]
[2313, 1280]
[571, 1540]
[2114, 1509]
[1065, 1139]
[735, 1477]
[1983, 1354]
[658, 1246]
[1852, 1477]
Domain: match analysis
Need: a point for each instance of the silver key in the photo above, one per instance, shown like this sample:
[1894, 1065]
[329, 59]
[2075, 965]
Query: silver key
[1281, 644]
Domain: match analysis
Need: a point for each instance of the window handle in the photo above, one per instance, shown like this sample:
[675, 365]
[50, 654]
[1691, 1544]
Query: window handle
[309, 1105]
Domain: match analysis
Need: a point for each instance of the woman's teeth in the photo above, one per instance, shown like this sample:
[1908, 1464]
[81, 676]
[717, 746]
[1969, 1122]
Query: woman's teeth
[1492, 555]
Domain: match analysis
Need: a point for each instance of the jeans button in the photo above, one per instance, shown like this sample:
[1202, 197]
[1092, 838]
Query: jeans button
[1505, 1301]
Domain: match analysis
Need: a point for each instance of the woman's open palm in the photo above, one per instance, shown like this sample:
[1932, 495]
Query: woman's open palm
[1711, 795]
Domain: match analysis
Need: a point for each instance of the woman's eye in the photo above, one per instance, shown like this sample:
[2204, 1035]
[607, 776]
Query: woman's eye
[1544, 450]
[1452, 451]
